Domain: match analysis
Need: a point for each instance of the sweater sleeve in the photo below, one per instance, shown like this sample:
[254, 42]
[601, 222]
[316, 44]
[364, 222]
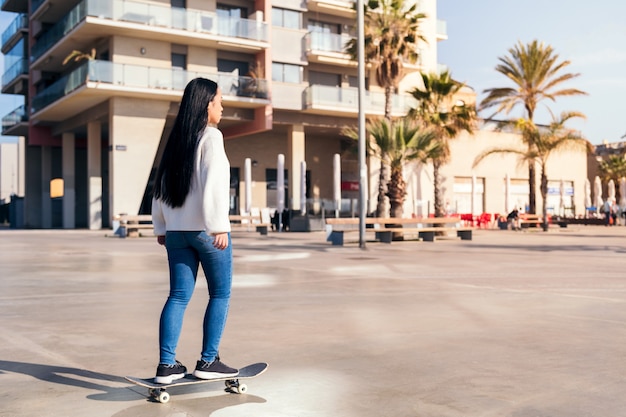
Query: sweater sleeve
[215, 180]
[158, 220]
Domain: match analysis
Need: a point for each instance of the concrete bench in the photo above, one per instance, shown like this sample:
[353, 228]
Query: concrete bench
[131, 225]
[240, 221]
[529, 220]
[384, 229]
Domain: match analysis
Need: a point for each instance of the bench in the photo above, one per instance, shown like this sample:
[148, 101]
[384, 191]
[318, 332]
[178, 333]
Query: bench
[384, 229]
[249, 221]
[130, 225]
[529, 220]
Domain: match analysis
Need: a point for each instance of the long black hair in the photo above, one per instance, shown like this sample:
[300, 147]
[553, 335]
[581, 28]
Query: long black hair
[173, 179]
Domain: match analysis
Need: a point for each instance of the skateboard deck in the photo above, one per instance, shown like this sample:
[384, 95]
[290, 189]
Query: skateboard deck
[158, 391]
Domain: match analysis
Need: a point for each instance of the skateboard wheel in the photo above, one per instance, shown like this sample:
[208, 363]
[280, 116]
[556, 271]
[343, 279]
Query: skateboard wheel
[241, 388]
[164, 397]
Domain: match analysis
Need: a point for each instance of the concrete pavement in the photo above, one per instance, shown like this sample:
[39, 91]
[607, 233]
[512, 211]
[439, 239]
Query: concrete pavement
[519, 324]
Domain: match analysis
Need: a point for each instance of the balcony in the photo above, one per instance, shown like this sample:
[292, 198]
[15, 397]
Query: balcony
[97, 81]
[15, 6]
[16, 122]
[14, 79]
[442, 30]
[16, 30]
[321, 99]
[87, 22]
[343, 8]
[328, 48]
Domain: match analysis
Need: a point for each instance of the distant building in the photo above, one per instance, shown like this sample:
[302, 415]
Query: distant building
[10, 172]
[99, 123]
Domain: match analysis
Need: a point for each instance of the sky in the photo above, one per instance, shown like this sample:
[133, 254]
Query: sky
[589, 34]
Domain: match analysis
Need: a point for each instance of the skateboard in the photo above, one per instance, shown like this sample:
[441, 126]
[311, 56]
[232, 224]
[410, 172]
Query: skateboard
[158, 391]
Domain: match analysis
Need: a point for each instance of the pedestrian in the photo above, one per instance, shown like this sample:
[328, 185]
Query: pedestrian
[513, 219]
[190, 214]
[614, 213]
[606, 209]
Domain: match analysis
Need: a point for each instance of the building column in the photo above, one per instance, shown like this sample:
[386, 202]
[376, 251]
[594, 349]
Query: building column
[94, 175]
[69, 181]
[46, 177]
[295, 155]
[21, 163]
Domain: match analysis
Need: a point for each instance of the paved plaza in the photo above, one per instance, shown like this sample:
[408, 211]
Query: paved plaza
[510, 324]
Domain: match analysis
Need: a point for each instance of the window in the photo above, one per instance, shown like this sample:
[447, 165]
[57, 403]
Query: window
[229, 20]
[179, 3]
[322, 27]
[354, 82]
[286, 18]
[286, 73]
[324, 78]
[231, 12]
[179, 65]
[179, 61]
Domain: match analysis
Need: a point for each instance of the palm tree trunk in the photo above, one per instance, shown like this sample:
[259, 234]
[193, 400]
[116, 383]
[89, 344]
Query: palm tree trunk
[532, 186]
[388, 101]
[439, 209]
[382, 191]
[381, 206]
[396, 193]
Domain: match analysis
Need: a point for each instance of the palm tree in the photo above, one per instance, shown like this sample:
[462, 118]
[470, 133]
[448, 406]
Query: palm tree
[391, 37]
[398, 143]
[613, 168]
[78, 56]
[534, 69]
[436, 111]
[547, 140]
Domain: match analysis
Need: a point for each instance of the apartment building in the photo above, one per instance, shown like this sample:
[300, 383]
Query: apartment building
[102, 80]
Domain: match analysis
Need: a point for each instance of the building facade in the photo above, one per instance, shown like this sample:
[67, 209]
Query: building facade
[102, 80]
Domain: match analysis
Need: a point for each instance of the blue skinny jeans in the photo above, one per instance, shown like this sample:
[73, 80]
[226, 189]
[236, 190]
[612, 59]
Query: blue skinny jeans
[185, 251]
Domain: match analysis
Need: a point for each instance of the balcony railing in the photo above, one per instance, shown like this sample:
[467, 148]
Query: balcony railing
[136, 76]
[20, 22]
[328, 98]
[151, 15]
[442, 29]
[17, 69]
[17, 116]
[326, 42]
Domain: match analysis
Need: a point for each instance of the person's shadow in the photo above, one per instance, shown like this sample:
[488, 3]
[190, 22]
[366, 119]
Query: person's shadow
[89, 380]
[81, 378]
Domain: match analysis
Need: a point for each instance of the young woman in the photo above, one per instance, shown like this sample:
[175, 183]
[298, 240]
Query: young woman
[190, 215]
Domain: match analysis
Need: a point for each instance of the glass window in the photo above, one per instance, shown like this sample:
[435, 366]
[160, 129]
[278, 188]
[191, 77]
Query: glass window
[324, 78]
[179, 61]
[322, 27]
[287, 73]
[286, 18]
[231, 12]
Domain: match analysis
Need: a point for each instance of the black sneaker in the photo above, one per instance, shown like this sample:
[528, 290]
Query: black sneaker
[168, 373]
[215, 369]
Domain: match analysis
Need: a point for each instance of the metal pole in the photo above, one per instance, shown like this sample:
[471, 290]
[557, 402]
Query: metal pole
[360, 18]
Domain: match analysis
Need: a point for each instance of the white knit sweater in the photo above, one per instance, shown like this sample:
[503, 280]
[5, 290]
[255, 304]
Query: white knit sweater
[208, 202]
